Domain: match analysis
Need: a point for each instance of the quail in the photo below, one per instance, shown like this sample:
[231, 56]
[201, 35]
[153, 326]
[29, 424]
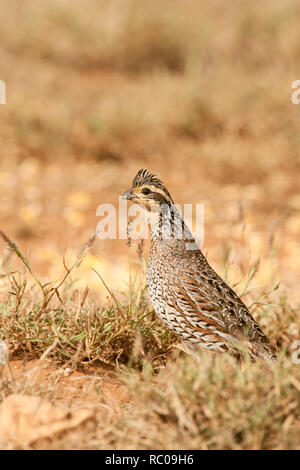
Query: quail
[187, 294]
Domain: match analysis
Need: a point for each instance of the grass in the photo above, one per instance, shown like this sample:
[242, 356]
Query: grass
[200, 93]
[74, 328]
[216, 406]
[149, 52]
[178, 402]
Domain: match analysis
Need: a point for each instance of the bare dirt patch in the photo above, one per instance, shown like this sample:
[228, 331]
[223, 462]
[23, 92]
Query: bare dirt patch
[96, 387]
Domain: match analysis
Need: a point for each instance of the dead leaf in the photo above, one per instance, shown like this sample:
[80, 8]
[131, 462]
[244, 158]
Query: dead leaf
[24, 419]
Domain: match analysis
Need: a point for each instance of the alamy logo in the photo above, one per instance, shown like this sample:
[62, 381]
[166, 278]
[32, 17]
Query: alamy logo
[296, 94]
[171, 222]
[2, 92]
[296, 354]
[3, 352]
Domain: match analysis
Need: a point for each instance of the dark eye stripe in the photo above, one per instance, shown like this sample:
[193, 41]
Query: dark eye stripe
[159, 198]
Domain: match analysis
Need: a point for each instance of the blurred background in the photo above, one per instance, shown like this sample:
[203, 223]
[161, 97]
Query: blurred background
[198, 92]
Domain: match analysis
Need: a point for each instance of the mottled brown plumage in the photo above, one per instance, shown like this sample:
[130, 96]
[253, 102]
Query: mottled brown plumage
[187, 294]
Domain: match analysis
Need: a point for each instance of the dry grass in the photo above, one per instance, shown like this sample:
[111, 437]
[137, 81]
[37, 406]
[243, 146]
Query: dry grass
[143, 73]
[71, 327]
[210, 403]
[214, 406]
[199, 92]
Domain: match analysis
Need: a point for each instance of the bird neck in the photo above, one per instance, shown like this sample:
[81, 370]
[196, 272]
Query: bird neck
[166, 223]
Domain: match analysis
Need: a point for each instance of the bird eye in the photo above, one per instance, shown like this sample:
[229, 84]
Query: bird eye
[146, 191]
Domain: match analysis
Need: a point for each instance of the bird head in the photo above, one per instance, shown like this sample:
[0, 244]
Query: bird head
[148, 190]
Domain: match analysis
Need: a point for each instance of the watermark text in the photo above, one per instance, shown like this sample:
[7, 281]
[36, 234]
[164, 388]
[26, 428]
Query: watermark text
[2, 92]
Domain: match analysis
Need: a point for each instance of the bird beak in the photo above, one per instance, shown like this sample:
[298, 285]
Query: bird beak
[129, 195]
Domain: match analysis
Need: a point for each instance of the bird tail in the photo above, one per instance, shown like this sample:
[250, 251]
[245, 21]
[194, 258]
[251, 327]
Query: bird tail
[265, 352]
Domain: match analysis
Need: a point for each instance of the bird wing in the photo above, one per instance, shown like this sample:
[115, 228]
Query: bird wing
[204, 296]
